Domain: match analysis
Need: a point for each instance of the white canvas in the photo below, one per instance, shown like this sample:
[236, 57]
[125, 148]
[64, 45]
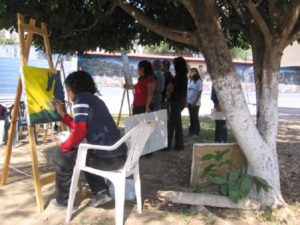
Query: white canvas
[159, 138]
[126, 69]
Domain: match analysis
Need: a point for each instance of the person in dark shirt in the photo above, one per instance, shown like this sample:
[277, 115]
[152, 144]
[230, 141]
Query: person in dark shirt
[176, 95]
[3, 116]
[93, 122]
[221, 126]
[168, 78]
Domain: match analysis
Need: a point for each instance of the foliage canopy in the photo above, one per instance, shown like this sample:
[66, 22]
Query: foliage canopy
[89, 24]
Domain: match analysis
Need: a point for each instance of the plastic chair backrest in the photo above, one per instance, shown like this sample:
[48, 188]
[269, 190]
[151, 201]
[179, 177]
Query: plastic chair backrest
[138, 139]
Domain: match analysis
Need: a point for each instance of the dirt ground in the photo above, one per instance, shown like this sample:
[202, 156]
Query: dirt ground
[164, 170]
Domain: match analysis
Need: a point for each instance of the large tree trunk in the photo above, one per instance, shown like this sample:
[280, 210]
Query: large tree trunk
[266, 63]
[258, 147]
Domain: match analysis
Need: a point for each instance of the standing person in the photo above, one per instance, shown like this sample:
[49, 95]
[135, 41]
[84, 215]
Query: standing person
[3, 112]
[160, 84]
[221, 126]
[93, 122]
[144, 89]
[168, 78]
[177, 90]
[194, 100]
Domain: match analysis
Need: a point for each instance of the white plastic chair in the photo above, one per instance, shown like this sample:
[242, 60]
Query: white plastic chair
[138, 137]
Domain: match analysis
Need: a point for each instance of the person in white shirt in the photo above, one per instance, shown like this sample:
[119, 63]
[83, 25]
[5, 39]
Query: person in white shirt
[194, 101]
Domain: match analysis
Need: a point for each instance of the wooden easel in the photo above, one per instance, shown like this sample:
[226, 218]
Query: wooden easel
[60, 63]
[127, 86]
[25, 43]
[125, 92]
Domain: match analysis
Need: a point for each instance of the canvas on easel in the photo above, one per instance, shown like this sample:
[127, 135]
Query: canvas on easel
[126, 68]
[128, 85]
[42, 86]
[26, 32]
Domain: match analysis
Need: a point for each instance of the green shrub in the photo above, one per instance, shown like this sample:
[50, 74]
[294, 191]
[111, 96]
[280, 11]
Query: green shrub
[234, 183]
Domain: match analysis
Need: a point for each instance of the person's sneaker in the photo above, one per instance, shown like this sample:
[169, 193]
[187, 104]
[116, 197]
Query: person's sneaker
[57, 205]
[100, 198]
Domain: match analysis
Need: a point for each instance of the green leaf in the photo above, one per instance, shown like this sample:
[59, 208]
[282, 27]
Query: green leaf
[220, 154]
[244, 170]
[233, 176]
[234, 194]
[209, 168]
[246, 185]
[207, 157]
[231, 164]
[258, 187]
[218, 180]
[261, 184]
[227, 162]
[226, 175]
[2, 8]
[224, 189]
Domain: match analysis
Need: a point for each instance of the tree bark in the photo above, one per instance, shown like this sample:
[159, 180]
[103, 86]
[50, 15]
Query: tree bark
[266, 63]
[259, 149]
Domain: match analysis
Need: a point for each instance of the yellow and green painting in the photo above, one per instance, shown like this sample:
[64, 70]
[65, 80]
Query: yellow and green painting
[42, 86]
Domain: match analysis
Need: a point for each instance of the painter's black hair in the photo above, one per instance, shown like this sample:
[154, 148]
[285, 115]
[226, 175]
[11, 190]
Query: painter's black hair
[146, 65]
[81, 81]
[180, 67]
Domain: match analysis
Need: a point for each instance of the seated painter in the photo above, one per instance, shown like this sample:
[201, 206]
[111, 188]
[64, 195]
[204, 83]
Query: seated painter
[93, 122]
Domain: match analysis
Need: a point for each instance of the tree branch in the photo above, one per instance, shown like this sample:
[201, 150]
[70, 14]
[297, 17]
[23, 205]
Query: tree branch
[190, 7]
[260, 21]
[274, 15]
[77, 30]
[233, 24]
[184, 37]
[238, 10]
[294, 37]
[290, 19]
[101, 16]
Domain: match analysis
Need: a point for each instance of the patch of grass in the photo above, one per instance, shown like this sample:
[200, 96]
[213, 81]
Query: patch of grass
[185, 215]
[273, 216]
[115, 117]
[207, 130]
[208, 218]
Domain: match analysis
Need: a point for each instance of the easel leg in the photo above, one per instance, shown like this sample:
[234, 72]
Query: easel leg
[12, 129]
[35, 170]
[120, 112]
[128, 102]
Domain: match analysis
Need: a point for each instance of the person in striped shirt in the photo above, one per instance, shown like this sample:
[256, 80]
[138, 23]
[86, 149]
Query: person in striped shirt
[93, 122]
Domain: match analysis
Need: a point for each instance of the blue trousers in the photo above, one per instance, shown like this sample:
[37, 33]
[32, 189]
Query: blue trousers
[194, 128]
